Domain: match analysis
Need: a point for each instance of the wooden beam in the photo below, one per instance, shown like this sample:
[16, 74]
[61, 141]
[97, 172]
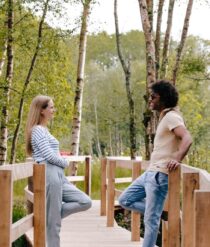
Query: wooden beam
[75, 178]
[6, 189]
[39, 206]
[135, 217]
[22, 226]
[103, 186]
[202, 218]
[111, 193]
[123, 180]
[174, 208]
[87, 183]
[190, 183]
[165, 233]
[19, 171]
[29, 195]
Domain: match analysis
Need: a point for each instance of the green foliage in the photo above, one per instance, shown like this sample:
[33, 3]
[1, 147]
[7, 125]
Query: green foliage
[19, 211]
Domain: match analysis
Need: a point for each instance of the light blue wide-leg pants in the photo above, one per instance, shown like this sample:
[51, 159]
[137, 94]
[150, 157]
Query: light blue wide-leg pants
[62, 199]
[147, 195]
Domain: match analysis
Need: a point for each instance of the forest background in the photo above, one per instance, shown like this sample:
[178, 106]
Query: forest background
[105, 117]
[45, 61]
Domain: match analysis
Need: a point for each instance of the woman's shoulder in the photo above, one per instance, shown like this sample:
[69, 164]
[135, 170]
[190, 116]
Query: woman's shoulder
[39, 129]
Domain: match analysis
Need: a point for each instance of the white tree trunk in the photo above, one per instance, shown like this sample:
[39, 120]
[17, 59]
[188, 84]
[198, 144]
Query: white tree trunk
[77, 111]
[183, 39]
[8, 83]
[3, 58]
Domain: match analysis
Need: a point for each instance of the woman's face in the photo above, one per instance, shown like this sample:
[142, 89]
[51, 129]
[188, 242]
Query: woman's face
[48, 112]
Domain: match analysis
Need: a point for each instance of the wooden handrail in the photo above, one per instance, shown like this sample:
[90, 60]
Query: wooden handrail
[188, 186]
[10, 232]
[135, 166]
[35, 194]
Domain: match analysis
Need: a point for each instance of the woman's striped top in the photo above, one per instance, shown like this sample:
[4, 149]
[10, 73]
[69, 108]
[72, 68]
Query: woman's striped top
[46, 147]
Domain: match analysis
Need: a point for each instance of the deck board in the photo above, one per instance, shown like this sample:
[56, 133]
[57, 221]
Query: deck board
[88, 229]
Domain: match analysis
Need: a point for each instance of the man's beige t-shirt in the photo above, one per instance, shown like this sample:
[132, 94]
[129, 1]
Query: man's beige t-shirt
[165, 142]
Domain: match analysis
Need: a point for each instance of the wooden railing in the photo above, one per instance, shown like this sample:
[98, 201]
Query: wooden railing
[109, 192]
[188, 186]
[35, 195]
[10, 232]
[87, 176]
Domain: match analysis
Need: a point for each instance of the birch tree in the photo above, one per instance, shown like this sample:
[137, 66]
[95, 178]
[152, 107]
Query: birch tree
[158, 36]
[27, 81]
[8, 83]
[3, 57]
[77, 110]
[127, 72]
[167, 39]
[182, 41]
[150, 120]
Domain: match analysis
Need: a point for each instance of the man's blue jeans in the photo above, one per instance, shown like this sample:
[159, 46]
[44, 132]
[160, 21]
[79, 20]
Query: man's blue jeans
[146, 195]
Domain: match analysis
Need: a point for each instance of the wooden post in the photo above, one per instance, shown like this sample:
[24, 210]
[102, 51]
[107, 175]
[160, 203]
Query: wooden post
[190, 183]
[88, 176]
[111, 193]
[103, 186]
[135, 217]
[202, 218]
[39, 206]
[174, 208]
[6, 190]
[165, 233]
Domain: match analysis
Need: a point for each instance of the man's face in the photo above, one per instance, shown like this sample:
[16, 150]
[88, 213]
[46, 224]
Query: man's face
[155, 103]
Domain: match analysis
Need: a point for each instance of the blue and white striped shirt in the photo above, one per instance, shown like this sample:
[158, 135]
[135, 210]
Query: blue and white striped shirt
[46, 147]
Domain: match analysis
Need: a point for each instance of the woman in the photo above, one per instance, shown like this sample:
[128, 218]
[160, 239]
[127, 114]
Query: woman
[62, 197]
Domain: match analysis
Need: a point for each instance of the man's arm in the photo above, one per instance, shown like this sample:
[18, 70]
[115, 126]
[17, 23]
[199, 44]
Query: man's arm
[186, 140]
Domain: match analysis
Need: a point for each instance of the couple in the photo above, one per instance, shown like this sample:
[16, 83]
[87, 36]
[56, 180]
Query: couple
[145, 195]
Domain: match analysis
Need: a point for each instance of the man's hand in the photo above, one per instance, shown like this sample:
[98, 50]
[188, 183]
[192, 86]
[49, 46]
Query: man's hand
[173, 164]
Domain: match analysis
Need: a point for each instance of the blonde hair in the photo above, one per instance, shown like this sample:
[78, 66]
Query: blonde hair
[39, 103]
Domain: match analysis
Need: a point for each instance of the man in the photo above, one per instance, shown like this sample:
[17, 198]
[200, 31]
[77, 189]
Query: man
[172, 142]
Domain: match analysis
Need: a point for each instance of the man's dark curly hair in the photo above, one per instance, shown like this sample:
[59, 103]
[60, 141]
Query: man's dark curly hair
[167, 91]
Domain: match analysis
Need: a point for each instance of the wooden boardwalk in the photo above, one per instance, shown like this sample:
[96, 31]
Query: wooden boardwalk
[88, 229]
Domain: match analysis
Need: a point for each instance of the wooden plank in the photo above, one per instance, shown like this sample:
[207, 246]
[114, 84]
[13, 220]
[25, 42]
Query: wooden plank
[19, 171]
[204, 176]
[165, 234]
[190, 183]
[6, 189]
[118, 193]
[103, 187]
[111, 193]
[174, 208]
[123, 180]
[202, 218]
[29, 195]
[39, 206]
[75, 158]
[75, 178]
[87, 176]
[135, 217]
[22, 226]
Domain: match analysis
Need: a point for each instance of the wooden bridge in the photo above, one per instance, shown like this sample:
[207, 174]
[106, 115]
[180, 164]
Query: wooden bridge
[187, 226]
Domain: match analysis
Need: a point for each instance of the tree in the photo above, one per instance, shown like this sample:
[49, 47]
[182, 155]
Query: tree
[27, 81]
[127, 72]
[77, 112]
[8, 83]
[182, 41]
[150, 120]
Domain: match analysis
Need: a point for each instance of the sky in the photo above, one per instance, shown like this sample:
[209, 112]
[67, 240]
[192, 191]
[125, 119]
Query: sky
[102, 17]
